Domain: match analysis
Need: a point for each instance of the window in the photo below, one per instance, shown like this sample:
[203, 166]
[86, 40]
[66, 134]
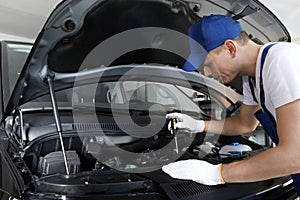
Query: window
[13, 58]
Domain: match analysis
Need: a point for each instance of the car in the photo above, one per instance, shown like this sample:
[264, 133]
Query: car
[83, 107]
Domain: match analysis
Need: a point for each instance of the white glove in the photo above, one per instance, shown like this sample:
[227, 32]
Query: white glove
[196, 170]
[186, 122]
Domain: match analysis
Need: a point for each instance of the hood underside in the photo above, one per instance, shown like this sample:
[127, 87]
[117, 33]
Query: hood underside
[81, 35]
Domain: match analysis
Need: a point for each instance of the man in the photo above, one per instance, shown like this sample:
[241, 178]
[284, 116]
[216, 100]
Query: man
[271, 82]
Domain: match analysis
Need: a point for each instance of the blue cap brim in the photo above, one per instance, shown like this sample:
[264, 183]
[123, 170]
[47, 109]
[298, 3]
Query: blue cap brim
[194, 61]
[197, 52]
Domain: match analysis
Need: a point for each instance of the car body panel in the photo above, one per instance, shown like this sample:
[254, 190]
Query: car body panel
[71, 21]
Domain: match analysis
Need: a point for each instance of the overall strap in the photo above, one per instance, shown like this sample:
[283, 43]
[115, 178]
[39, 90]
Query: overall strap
[263, 57]
[263, 115]
[262, 92]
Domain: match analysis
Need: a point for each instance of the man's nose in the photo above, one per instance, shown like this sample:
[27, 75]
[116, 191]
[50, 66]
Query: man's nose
[208, 72]
[211, 74]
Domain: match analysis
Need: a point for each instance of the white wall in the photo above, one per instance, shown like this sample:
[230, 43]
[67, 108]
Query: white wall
[24, 18]
[288, 12]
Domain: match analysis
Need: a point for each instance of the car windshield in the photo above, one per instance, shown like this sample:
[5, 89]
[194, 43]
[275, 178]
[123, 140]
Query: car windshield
[132, 95]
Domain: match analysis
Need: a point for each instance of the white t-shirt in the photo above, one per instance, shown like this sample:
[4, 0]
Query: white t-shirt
[280, 76]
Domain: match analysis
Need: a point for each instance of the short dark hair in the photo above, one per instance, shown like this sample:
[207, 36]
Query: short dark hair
[241, 39]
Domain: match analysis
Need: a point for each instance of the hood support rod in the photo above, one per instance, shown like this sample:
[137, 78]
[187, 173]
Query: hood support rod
[21, 128]
[57, 121]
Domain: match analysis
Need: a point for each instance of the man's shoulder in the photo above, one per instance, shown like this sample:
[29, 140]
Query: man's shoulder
[285, 47]
[284, 52]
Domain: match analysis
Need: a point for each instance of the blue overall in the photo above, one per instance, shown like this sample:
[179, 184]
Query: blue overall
[264, 116]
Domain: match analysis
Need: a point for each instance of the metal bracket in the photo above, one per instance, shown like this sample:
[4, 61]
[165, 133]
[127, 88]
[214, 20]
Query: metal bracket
[246, 11]
[21, 127]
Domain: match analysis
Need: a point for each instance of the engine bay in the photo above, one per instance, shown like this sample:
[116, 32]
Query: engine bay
[93, 161]
[117, 145]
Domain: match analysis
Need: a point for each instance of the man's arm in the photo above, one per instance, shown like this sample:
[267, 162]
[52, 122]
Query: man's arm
[242, 123]
[275, 162]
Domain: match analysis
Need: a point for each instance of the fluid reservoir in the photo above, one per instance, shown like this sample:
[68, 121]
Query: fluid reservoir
[234, 148]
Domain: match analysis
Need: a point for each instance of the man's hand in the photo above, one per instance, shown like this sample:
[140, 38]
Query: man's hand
[186, 122]
[196, 170]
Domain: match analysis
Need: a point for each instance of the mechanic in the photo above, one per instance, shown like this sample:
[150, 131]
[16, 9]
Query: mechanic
[271, 90]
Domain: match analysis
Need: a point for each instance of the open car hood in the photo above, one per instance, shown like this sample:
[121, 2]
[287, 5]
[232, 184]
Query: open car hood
[81, 35]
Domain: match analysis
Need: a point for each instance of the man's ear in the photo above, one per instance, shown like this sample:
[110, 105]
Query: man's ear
[231, 47]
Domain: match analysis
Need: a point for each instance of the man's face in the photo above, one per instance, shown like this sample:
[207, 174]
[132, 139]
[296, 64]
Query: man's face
[219, 66]
[210, 69]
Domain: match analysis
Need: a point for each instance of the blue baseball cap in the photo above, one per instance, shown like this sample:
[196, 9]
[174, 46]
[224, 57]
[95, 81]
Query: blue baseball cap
[207, 34]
